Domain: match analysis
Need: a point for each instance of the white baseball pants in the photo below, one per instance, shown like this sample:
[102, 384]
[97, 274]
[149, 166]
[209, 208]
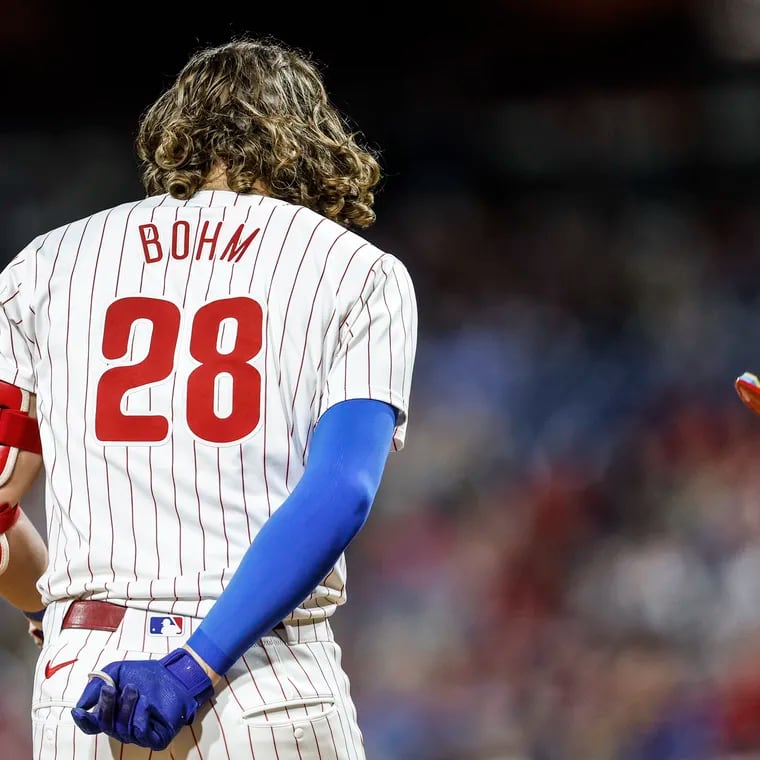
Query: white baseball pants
[283, 700]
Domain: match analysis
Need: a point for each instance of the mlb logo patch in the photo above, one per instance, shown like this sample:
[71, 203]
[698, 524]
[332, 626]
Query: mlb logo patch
[166, 625]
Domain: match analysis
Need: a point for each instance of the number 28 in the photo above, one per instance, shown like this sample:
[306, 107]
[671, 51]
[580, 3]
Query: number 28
[113, 425]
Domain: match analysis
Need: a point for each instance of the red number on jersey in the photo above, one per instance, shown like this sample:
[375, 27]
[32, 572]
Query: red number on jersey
[203, 383]
[110, 423]
[202, 418]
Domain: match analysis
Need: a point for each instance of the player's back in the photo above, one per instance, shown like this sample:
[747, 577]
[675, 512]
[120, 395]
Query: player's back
[182, 352]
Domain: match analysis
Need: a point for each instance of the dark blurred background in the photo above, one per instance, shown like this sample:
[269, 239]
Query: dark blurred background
[564, 562]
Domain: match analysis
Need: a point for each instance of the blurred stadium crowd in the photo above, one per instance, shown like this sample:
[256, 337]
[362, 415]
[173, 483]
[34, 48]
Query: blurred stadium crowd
[564, 562]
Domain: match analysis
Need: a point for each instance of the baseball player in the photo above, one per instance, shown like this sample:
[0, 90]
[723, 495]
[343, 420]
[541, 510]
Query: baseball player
[217, 373]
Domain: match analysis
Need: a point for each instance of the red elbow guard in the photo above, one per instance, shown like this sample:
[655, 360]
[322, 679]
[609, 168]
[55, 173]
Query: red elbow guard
[9, 514]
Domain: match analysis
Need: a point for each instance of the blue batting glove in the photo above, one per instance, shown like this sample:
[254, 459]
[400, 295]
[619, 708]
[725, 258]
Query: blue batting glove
[148, 702]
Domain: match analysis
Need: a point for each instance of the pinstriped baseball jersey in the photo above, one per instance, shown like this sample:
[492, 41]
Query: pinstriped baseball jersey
[182, 353]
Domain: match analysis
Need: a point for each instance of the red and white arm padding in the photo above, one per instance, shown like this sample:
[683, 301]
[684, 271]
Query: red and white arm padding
[18, 431]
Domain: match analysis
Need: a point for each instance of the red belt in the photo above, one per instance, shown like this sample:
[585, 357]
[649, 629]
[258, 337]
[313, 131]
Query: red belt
[103, 616]
[93, 615]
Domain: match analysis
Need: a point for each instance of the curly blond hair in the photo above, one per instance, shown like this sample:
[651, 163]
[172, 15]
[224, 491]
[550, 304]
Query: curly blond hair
[258, 110]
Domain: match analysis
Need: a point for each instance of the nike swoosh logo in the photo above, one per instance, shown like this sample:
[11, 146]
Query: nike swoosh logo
[53, 669]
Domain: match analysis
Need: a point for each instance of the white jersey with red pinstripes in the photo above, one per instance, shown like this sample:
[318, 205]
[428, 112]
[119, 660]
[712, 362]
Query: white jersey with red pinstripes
[182, 353]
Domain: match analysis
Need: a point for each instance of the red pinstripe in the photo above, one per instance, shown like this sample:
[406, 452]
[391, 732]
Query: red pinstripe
[11, 297]
[279, 683]
[150, 449]
[340, 683]
[86, 394]
[195, 740]
[221, 729]
[13, 348]
[52, 466]
[390, 332]
[403, 327]
[266, 356]
[213, 261]
[340, 712]
[166, 266]
[345, 319]
[260, 245]
[171, 438]
[327, 329]
[234, 696]
[221, 504]
[308, 678]
[305, 341]
[293, 288]
[132, 510]
[369, 351]
[105, 458]
[263, 702]
[126, 450]
[284, 329]
[242, 489]
[200, 518]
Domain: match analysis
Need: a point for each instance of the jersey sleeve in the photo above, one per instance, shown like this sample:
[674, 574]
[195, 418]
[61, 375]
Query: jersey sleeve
[16, 317]
[376, 347]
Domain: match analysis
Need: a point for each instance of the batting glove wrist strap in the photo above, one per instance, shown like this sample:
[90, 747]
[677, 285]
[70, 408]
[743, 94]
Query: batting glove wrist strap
[183, 666]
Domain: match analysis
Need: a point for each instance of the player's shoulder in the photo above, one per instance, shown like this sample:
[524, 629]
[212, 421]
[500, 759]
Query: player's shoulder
[345, 245]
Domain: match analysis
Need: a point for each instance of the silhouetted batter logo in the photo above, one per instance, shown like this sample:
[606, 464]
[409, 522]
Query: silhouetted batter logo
[166, 625]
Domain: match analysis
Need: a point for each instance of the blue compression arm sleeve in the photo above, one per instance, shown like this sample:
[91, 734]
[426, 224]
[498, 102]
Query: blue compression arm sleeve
[299, 544]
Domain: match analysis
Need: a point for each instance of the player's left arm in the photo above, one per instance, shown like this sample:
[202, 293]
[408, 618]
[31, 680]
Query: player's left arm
[147, 702]
[23, 551]
[27, 560]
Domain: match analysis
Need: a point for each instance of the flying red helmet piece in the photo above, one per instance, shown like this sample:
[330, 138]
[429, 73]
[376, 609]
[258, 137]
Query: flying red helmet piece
[748, 387]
